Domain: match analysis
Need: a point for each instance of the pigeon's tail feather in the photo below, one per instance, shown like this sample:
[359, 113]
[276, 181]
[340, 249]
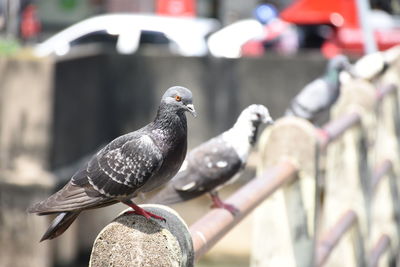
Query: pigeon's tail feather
[38, 208]
[60, 224]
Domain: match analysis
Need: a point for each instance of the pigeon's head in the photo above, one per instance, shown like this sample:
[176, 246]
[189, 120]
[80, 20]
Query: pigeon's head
[179, 99]
[250, 119]
[256, 114]
[339, 63]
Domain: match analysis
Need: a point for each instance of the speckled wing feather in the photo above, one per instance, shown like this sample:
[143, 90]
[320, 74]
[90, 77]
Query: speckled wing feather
[209, 166]
[116, 171]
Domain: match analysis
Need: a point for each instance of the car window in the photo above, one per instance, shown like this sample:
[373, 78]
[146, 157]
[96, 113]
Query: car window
[153, 37]
[96, 37]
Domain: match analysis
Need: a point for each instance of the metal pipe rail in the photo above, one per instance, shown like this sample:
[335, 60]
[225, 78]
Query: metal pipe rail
[379, 173]
[209, 229]
[330, 239]
[385, 90]
[215, 224]
[379, 249]
[334, 129]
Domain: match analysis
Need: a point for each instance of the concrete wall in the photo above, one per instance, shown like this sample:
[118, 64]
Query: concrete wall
[26, 95]
[100, 97]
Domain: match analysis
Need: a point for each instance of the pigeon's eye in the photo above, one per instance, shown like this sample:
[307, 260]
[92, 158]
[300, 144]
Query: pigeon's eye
[178, 98]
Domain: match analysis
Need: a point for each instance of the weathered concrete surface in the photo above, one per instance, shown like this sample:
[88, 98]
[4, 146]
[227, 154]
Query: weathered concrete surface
[133, 240]
[26, 101]
[293, 206]
[347, 174]
[19, 232]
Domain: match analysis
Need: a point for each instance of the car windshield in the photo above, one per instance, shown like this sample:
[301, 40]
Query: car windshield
[153, 37]
[96, 37]
[146, 38]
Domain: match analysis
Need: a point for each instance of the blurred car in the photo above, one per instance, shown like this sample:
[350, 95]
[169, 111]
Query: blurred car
[182, 35]
[228, 41]
[252, 37]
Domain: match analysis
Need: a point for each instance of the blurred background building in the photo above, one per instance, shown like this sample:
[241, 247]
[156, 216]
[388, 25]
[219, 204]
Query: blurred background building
[326, 24]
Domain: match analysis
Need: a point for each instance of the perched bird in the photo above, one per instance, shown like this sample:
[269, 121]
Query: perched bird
[215, 162]
[135, 162]
[321, 93]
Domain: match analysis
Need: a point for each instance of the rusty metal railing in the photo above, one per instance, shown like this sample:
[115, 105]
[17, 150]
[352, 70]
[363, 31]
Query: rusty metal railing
[334, 129]
[385, 90]
[330, 239]
[381, 246]
[380, 172]
[215, 224]
[209, 229]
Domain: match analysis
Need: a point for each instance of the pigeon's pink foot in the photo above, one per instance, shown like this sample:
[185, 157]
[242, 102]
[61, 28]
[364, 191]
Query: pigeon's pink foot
[139, 211]
[218, 203]
[232, 209]
[323, 134]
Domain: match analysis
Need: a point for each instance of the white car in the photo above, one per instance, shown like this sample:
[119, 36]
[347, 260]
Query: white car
[183, 36]
[228, 41]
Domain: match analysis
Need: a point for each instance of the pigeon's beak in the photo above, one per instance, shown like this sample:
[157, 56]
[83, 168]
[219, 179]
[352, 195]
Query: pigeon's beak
[191, 109]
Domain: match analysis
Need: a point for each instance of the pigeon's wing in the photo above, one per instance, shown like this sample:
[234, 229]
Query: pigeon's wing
[122, 170]
[314, 98]
[209, 166]
[182, 187]
[117, 171]
[71, 197]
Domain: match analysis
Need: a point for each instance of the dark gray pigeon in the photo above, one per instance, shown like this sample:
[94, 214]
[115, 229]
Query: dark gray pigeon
[215, 162]
[322, 93]
[135, 162]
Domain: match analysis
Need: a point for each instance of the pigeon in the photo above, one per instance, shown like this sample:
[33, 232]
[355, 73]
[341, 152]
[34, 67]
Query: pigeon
[216, 162]
[321, 93]
[139, 161]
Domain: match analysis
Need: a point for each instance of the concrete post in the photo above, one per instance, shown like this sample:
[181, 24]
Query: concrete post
[25, 126]
[348, 167]
[291, 227]
[133, 240]
[385, 208]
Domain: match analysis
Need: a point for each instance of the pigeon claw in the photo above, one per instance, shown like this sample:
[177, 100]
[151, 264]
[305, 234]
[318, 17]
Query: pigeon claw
[323, 134]
[218, 203]
[146, 214]
[232, 209]
[139, 211]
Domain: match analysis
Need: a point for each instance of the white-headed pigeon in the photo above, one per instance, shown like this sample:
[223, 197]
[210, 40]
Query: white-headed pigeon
[215, 162]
